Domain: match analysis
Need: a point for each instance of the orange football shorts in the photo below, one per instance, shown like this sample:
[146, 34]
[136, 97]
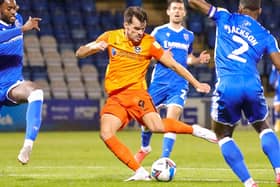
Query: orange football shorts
[129, 104]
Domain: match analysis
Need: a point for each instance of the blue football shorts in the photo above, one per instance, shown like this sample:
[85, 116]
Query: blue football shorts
[164, 94]
[236, 94]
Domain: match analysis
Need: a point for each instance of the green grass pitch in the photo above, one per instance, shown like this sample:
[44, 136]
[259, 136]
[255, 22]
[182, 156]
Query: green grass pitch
[80, 159]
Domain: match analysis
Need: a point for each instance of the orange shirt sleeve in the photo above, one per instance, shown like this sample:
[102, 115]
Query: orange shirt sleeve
[103, 37]
[156, 50]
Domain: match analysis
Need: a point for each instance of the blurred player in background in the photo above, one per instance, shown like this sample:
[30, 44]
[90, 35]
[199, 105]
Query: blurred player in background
[240, 43]
[130, 52]
[274, 80]
[167, 88]
[15, 90]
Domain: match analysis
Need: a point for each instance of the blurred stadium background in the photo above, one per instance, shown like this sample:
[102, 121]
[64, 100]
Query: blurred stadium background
[73, 88]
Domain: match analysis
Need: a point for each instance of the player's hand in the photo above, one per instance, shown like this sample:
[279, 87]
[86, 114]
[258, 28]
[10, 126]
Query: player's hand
[31, 23]
[169, 51]
[203, 88]
[204, 57]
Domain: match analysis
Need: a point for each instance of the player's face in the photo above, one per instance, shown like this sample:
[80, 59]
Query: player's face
[8, 11]
[135, 30]
[176, 12]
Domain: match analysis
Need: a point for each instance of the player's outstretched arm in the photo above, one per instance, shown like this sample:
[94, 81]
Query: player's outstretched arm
[169, 61]
[204, 58]
[91, 48]
[275, 57]
[200, 5]
[31, 23]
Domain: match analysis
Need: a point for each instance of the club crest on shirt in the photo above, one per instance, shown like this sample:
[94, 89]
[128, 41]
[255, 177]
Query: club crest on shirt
[113, 51]
[186, 37]
[18, 24]
[137, 49]
[167, 34]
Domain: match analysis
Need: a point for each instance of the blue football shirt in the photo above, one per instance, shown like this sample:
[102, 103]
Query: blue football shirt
[11, 52]
[240, 43]
[180, 42]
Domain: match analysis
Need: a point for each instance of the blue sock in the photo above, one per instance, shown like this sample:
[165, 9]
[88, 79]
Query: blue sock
[33, 115]
[271, 147]
[234, 158]
[167, 144]
[146, 137]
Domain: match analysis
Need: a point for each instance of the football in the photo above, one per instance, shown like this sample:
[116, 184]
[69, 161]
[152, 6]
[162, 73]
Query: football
[163, 169]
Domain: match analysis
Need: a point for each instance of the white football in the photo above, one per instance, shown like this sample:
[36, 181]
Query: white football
[163, 169]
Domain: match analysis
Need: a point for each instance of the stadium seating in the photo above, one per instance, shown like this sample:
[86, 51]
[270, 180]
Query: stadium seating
[67, 24]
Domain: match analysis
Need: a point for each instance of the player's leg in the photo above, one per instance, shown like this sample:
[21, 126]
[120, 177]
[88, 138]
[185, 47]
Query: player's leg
[256, 111]
[158, 94]
[226, 107]
[113, 118]
[232, 153]
[270, 146]
[146, 148]
[34, 96]
[169, 138]
[108, 128]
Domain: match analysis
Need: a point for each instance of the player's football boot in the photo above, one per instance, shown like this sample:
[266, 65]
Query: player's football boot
[24, 154]
[142, 175]
[204, 133]
[141, 154]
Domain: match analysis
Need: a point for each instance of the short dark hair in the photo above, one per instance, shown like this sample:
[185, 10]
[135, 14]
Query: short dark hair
[1, 2]
[251, 4]
[136, 11]
[173, 1]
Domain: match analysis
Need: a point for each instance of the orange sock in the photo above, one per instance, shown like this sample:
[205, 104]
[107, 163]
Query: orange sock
[122, 152]
[175, 126]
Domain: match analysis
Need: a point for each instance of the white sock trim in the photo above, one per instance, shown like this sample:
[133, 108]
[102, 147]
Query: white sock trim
[277, 170]
[28, 142]
[170, 135]
[146, 148]
[36, 95]
[224, 140]
[249, 182]
[264, 132]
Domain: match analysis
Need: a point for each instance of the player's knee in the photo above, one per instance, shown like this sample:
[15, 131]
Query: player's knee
[157, 128]
[105, 134]
[36, 95]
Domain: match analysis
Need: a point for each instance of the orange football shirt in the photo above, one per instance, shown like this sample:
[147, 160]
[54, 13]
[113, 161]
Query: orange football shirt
[128, 64]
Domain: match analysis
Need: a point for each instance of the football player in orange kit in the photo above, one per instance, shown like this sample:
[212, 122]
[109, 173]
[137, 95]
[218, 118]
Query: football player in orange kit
[130, 51]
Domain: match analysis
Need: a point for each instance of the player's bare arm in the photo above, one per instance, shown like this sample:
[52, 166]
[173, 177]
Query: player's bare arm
[168, 61]
[200, 5]
[31, 23]
[275, 57]
[204, 58]
[91, 48]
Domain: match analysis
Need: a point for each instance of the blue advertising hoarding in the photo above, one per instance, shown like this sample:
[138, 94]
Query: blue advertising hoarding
[56, 115]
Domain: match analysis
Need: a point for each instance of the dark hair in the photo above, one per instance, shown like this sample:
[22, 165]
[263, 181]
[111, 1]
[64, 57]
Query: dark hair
[1, 2]
[173, 1]
[136, 11]
[251, 4]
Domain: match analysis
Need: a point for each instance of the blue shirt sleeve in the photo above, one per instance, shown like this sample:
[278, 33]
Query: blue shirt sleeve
[272, 45]
[6, 35]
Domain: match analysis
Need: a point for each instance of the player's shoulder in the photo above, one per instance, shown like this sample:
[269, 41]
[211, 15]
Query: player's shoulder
[159, 29]
[148, 37]
[218, 13]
